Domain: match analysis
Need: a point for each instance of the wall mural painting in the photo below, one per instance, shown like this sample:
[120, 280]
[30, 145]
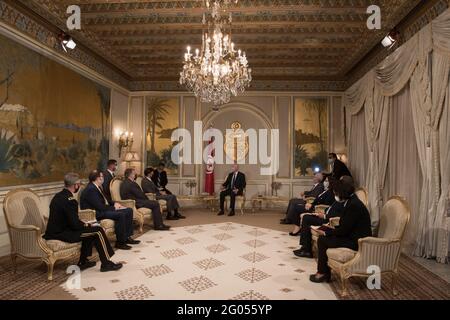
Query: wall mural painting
[52, 120]
[311, 135]
[162, 119]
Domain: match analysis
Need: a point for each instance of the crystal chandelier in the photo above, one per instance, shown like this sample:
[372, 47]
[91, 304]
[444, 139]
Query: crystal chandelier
[217, 71]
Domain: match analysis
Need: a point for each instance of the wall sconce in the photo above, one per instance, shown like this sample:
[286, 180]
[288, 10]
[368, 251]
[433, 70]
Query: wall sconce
[125, 140]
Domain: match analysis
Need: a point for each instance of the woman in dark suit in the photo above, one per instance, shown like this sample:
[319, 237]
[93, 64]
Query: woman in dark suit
[354, 225]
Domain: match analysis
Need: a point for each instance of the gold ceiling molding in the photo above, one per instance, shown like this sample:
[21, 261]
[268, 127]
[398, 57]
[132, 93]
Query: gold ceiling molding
[291, 45]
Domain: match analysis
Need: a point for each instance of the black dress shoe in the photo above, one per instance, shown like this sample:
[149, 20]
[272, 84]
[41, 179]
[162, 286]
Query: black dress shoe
[162, 228]
[179, 216]
[122, 246]
[221, 213]
[292, 234]
[323, 278]
[298, 251]
[86, 265]
[284, 221]
[172, 218]
[303, 254]
[110, 267]
[231, 214]
[132, 241]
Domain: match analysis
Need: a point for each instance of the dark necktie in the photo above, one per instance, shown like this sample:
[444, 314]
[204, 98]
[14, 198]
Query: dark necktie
[233, 180]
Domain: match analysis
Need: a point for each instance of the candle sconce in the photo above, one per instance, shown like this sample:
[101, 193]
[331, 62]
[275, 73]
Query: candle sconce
[125, 140]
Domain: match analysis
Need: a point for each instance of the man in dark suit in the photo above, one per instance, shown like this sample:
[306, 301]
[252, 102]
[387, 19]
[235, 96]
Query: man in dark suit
[353, 225]
[94, 198]
[297, 205]
[64, 225]
[108, 175]
[129, 189]
[233, 186]
[338, 168]
[160, 178]
[148, 186]
[325, 198]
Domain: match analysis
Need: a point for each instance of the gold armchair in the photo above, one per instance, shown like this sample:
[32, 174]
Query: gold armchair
[24, 214]
[383, 252]
[239, 202]
[86, 215]
[152, 196]
[139, 215]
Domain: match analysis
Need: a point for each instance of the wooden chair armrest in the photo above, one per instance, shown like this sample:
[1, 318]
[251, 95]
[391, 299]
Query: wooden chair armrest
[129, 203]
[87, 215]
[25, 228]
[151, 196]
[310, 199]
[334, 222]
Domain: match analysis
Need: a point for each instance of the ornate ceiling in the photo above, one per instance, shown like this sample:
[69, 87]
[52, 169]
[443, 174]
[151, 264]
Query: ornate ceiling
[285, 40]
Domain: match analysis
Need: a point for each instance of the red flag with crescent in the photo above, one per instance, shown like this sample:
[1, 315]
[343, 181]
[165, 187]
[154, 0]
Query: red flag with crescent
[209, 174]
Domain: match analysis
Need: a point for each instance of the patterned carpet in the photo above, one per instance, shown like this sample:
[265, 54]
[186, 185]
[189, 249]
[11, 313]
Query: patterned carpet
[219, 261]
[258, 271]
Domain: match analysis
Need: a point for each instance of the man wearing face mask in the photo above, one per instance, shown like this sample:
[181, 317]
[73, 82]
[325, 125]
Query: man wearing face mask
[129, 189]
[338, 168]
[297, 205]
[93, 197]
[325, 198]
[64, 225]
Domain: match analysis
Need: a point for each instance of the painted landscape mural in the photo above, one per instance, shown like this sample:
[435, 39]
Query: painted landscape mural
[162, 119]
[52, 120]
[311, 135]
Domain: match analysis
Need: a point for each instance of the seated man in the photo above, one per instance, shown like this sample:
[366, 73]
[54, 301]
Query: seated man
[129, 189]
[160, 178]
[233, 186]
[148, 186]
[93, 197]
[354, 225]
[297, 205]
[64, 225]
[325, 198]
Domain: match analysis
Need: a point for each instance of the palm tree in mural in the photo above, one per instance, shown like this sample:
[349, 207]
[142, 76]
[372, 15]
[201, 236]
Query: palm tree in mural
[105, 106]
[319, 108]
[156, 112]
[6, 81]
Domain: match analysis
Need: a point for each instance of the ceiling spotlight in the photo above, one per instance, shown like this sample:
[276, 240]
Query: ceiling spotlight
[390, 39]
[66, 41]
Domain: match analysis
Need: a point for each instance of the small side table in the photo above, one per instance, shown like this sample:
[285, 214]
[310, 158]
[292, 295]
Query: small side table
[257, 200]
[210, 202]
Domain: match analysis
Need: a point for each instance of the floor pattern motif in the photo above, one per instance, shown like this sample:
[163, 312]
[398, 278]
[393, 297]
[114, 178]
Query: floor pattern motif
[216, 261]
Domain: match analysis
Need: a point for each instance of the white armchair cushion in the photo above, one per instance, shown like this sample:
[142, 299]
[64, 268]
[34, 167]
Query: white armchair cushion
[341, 255]
[57, 245]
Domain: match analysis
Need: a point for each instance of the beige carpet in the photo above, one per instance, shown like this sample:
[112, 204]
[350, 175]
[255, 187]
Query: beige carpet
[30, 281]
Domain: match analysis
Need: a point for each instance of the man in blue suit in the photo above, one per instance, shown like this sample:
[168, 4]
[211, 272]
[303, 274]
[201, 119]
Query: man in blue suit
[93, 197]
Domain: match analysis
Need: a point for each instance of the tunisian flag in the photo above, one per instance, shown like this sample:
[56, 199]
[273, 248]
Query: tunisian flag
[209, 176]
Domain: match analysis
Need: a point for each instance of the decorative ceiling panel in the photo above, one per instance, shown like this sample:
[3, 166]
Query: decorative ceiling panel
[285, 40]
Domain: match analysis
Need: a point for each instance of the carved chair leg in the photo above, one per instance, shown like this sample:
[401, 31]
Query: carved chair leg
[343, 281]
[14, 262]
[394, 283]
[50, 265]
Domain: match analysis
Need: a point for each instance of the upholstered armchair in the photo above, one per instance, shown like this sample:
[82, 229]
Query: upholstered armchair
[239, 202]
[152, 196]
[139, 215]
[383, 251]
[107, 224]
[24, 214]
